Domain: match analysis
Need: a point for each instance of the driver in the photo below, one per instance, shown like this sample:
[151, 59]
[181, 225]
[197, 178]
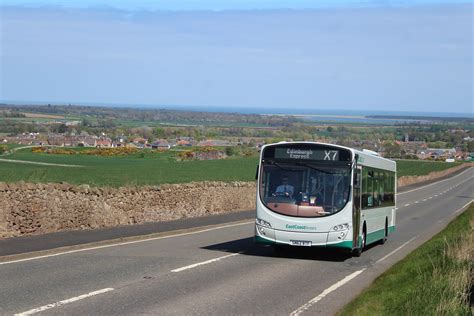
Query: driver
[285, 188]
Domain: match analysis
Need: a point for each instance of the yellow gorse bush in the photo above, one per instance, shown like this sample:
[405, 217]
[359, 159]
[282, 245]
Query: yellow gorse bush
[106, 152]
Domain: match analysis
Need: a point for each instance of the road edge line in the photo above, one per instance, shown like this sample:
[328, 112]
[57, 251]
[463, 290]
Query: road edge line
[397, 249]
[327, 291]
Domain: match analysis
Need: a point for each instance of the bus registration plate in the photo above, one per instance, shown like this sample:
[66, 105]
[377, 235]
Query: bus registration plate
[305, 243]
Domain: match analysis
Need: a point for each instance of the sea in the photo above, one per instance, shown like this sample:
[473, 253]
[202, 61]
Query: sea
[309, 114]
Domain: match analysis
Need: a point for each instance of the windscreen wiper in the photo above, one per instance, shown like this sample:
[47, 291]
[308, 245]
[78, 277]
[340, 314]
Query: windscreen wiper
[281, 167]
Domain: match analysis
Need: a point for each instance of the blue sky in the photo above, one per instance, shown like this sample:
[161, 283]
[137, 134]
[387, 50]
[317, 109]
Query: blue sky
[394, 55]
[223, 4]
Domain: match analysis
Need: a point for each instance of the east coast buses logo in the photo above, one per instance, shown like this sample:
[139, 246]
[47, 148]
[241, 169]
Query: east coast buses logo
[300, 227]
[299, 153]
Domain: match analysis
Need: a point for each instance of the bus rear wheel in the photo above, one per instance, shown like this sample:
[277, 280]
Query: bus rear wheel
[384, 239]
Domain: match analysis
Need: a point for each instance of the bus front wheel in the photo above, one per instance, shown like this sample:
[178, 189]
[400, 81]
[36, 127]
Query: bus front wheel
[358, 251]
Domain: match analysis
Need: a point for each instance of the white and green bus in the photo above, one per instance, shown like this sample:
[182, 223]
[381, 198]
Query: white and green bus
[324, 195]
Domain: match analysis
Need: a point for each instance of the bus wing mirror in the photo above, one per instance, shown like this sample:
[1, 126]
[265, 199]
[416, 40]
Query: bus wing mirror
[357, 180]
[256, 174]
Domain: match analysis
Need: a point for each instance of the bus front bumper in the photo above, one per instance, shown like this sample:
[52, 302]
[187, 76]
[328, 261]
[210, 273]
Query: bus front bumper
[266, 235]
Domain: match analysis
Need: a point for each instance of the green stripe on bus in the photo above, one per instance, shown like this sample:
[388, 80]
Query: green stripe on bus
[261, 240]
[374, 236]
[344, 244]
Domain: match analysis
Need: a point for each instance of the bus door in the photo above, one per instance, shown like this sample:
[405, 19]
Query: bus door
[356, 203]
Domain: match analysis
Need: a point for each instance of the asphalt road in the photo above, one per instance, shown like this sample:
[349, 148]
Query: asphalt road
[219, 270]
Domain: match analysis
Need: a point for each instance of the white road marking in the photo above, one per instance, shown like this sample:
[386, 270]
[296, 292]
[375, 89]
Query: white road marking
[330, 289]
[424, 200]
[391, 253]
[437, 182]
[406, 205]
[440, 221]
[204, 262]
[124, 243]
[459, 210]
[416, 202]
[60, 303]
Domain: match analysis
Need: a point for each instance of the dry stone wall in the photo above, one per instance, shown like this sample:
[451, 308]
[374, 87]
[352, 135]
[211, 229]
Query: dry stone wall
[30, 209]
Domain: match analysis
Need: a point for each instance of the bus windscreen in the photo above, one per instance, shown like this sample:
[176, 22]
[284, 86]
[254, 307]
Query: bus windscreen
[305, 181]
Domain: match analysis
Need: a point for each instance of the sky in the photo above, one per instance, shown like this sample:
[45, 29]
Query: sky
[348, 54]
[217, 5]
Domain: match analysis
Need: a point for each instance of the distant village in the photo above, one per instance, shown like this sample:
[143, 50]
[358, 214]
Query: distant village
[62, 140]
[407, 149]
[450, 138]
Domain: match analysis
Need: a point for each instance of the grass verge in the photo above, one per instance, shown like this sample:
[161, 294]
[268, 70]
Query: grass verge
[435, 279]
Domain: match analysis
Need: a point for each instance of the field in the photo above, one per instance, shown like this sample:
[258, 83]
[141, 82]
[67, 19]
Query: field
[148, 169]
[152, 169]
[418, 286]
[47, 116]
[421, 167]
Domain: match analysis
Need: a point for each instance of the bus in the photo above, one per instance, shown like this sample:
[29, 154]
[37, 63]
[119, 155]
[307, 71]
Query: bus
[323, 195]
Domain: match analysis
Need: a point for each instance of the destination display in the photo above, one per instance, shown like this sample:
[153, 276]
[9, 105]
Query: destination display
[307, 154]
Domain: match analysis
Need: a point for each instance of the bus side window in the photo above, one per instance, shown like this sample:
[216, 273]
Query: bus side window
[364, 188]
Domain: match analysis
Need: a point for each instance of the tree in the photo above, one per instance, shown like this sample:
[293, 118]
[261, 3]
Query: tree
[3, 149]
[159, 132]
[60, 129]
[392, 150]
[86, 122]
[230, 151]
[470, 146]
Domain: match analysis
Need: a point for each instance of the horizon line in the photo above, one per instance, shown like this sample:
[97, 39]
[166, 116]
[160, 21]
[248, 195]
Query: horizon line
[180, 107]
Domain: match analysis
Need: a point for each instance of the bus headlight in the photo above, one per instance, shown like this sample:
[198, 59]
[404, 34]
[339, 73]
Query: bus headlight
[339, 227]
[342, 235]
[261, 222]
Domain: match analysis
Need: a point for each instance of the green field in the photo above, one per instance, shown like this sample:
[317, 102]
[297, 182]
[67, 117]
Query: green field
[421, 167]
[152, 169]
[433, 280]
